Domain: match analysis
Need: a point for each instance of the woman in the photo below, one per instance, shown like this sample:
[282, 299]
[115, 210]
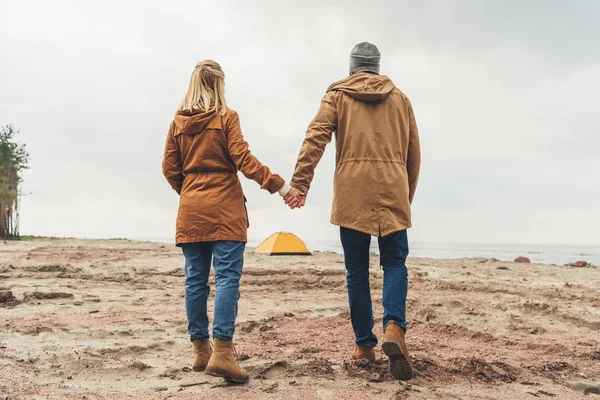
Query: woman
[205, 149]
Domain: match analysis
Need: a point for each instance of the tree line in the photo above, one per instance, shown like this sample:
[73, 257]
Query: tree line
[13, 160]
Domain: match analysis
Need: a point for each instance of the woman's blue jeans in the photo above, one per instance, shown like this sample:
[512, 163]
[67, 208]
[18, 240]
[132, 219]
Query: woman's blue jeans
[228, 259]
[393, 252]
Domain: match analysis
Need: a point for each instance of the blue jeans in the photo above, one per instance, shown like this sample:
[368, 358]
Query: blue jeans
[228, 260]
[393, 252]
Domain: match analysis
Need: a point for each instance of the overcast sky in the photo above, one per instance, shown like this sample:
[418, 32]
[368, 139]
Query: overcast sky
[506, 95]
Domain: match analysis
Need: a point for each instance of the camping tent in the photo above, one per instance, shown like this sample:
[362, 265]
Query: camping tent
[283, 244]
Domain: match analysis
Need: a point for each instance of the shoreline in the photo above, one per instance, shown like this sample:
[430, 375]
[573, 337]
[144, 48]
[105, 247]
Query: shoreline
[538, 254]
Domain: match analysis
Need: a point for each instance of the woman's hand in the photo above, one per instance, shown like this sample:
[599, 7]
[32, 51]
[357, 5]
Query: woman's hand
[294, 199]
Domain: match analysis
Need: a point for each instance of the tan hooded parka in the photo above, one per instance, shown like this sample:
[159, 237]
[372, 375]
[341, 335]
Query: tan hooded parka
[203, 154]
[377, 153]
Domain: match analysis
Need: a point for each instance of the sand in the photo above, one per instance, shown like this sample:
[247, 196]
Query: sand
[105, 320]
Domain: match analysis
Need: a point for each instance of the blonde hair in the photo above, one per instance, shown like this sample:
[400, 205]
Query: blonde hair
[207, 89]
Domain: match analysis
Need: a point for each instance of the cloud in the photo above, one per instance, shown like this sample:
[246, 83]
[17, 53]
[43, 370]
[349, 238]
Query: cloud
[505, 94]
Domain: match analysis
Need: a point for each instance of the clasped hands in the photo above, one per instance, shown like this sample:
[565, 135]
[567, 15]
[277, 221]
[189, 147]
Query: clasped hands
[294, 199]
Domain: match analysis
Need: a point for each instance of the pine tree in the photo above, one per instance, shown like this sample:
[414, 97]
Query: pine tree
[13, 160]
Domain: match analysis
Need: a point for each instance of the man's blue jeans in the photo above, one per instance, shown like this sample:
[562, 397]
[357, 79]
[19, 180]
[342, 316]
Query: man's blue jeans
[393, 252]
[228, 260]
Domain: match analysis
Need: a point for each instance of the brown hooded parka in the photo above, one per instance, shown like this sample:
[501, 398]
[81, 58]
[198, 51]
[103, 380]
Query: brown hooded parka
[203, 154]
[377, 153]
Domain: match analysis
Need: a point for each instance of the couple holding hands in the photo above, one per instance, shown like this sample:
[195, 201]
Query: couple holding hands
[377, 168]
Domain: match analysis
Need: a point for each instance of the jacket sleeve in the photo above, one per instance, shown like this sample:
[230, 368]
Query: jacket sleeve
[413, 160]
[245, 161]
[171, 165]
[318, 136]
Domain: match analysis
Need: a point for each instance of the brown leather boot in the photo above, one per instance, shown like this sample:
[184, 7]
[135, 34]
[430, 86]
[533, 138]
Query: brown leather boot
[202, 352]
[223, 363]
[395, 348]
[363, 353]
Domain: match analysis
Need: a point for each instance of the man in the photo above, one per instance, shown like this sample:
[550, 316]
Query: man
[377, 167]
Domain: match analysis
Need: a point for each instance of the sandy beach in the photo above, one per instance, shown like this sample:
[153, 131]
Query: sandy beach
[104, 319]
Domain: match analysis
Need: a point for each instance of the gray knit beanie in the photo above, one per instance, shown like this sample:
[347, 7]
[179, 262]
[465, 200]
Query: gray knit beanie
[365, 58]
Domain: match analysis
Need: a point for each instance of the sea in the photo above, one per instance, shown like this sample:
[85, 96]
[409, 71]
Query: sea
[537, 253]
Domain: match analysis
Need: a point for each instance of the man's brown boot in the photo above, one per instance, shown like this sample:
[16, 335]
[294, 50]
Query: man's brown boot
[395, 348]
[202, 352]
[363, 353]
[223, 363]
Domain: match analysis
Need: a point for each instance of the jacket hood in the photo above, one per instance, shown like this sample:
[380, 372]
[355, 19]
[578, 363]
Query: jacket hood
[190, 123]
[365, 86]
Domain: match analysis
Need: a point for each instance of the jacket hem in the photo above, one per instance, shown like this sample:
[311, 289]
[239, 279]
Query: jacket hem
[210, 238]
[375, 233]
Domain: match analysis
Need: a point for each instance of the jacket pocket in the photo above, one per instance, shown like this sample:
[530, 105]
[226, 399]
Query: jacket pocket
[246, 209]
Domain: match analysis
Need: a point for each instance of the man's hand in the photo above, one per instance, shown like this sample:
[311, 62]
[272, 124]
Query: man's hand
[294, 199]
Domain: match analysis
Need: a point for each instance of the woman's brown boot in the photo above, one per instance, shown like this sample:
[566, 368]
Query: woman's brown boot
[223, 363]
[363, 353]
[202, 353]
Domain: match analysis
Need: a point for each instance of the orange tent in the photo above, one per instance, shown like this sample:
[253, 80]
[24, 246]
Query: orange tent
[283, 244]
